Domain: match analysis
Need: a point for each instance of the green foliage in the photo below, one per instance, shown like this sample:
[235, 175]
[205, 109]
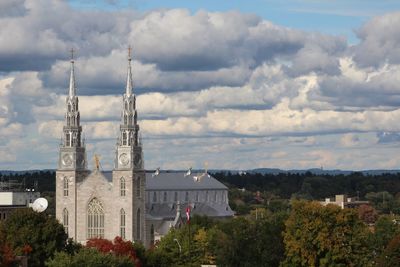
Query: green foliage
[42, 233]
[89, 257]
[234, 242]
[385, 230]
[244, 242]
[391, 255]
[325, 236]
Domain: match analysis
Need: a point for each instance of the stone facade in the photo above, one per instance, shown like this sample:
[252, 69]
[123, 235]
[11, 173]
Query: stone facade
[87, 203]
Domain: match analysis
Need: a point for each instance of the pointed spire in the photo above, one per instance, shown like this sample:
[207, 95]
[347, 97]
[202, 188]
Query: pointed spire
[129, 83]
[72, 88]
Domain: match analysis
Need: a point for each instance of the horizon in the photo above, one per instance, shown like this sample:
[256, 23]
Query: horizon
[240, 85]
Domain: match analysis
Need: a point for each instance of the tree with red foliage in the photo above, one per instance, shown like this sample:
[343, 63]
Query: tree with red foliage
[118, 247]
[367, 214]
[7, 256]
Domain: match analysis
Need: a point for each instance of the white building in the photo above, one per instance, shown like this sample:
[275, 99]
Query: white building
[11, 200]
[126, 202]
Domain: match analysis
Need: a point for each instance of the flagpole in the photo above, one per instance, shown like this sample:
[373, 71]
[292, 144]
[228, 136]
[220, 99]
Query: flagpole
[188, 221]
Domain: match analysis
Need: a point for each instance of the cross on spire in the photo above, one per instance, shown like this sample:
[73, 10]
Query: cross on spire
[72, 54]
[129, 52]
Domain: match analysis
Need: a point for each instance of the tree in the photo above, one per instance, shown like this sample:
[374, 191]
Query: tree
[249, 242]
[367, 214]
[42, 233]
[7, 256]
[118, 247]
[325, 236]
[385, 230]
[89, 257]
[391, 255]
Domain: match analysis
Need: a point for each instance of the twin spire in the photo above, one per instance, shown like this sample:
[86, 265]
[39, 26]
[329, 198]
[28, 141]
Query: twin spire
[129, 80]
[72, 88]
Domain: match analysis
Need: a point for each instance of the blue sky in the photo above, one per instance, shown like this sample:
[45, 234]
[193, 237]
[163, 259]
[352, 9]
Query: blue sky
[238, 84]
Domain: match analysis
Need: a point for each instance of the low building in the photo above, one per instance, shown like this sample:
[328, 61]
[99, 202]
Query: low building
[344, 202]
[11, 200]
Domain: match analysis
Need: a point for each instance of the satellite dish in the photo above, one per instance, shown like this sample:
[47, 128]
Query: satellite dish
[40, 204]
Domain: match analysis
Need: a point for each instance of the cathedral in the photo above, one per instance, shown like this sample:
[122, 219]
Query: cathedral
[127, 201]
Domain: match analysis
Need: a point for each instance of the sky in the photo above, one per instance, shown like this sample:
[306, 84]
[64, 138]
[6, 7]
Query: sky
[291, 84]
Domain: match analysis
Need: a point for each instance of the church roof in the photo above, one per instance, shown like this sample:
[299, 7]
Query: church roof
[176, 180]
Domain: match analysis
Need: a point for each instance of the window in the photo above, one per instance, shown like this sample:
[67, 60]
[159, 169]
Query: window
[138, 224]
[215, 196]
[207, 199]
[65, 220]
[197, 196]
[122, 187]
[65, 186]
[122, 224]
[95, 220]
[187, 196]
[68, 139]
[165, 197]
[124, 143]
[138, 187]
[176, 197]
[152, 235]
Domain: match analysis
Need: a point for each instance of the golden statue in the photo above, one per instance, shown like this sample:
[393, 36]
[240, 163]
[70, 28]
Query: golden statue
[96, 159]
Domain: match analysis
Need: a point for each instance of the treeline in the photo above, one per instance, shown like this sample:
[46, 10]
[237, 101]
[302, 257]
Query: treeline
[45, 181]
[311, 186]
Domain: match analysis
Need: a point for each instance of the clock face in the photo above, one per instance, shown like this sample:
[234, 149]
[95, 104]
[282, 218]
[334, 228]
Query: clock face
[67, 159]
[138, 160]
[124, 159]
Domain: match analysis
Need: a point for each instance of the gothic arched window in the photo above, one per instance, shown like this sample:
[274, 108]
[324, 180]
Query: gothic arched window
[68, 139]
[95, 219]
[65, 186]
[124, 137]
[152, 235]
[65, 220]
[138, 187]
[138, 225]
[122, 187]
[122, 223]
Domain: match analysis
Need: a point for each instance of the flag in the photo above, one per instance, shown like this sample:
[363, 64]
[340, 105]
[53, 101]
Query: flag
[188, 214]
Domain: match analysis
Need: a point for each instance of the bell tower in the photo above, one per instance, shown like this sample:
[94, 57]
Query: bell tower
[128, 175]
[72, 165]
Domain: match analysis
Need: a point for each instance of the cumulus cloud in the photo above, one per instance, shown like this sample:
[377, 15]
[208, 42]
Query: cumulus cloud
[208, 84]
[380, 41]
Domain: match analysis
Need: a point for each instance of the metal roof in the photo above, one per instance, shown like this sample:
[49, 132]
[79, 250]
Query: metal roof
[176, 180]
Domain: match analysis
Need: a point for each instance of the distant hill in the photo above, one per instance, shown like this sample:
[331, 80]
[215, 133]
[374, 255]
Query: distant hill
[316, 171]
[273, 171]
